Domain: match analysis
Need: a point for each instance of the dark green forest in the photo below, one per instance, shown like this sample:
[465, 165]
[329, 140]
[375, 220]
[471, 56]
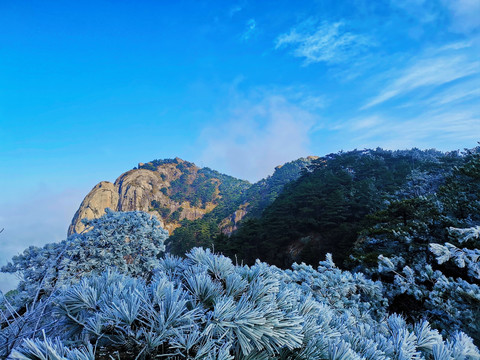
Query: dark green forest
[332, 203]
[341, 195]
[233, 193]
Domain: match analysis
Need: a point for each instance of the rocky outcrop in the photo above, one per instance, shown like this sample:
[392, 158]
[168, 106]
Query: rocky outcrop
[174, 190]
[138, 189]
[230, 224]
[103, 195]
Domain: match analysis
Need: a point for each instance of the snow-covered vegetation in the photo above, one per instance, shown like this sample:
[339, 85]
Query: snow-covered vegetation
[201, 307]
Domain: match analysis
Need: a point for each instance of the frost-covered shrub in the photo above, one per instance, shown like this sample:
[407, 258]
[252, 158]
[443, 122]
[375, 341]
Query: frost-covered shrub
[131, 242]
[465, 257]
[204, 307]
[345, 289]
[451, 303]
[425, 249]
[111, 293]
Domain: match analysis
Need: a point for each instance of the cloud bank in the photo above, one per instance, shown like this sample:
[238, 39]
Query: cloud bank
[257, 136]
[36, 218]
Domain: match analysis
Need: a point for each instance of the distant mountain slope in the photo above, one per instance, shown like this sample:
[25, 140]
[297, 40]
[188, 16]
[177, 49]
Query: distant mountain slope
[326, 208]
[306, 208]
[264, 192]
[180, 194]
[173, 190]
[226, 218]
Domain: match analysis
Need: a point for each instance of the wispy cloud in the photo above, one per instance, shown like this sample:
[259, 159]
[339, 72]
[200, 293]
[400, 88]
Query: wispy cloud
[463, 92]
[462, 15]
[465, 14]
[304, 96]
[429, 71]
[257, 136]
[367, 123]
[325, 42]
[250, 30]
[235, 9]
[422, 10]
[314, 102]
[442, 129]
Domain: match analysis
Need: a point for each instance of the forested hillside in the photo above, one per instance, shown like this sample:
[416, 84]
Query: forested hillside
[194, 204]
[337, 199]
[240, 204]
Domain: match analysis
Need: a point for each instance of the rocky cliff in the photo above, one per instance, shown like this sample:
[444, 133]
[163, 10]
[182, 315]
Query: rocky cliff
[172, 190]
[177, 191]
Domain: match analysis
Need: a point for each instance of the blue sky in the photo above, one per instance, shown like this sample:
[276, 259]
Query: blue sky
[89, 89]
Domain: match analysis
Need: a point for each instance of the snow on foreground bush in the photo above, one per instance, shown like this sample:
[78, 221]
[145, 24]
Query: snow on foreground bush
[450, 303]
[204, 307]
[132, 242]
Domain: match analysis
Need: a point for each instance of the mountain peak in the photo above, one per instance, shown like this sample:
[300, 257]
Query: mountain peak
[176, 190]
[172, 190]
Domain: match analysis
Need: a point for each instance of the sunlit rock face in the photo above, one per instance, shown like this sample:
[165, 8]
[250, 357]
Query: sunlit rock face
[150, 191]
[174, 190]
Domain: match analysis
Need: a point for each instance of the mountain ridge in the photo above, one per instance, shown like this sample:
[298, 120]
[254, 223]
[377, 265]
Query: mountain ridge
[177, 191]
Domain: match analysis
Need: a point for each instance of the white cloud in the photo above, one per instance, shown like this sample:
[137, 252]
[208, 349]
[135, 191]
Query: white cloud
[35, 219]
[465, 14]
[327, 42]
[463, 92]
[256, 137]
[250, 29]
[443, 129]
[432, 70]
